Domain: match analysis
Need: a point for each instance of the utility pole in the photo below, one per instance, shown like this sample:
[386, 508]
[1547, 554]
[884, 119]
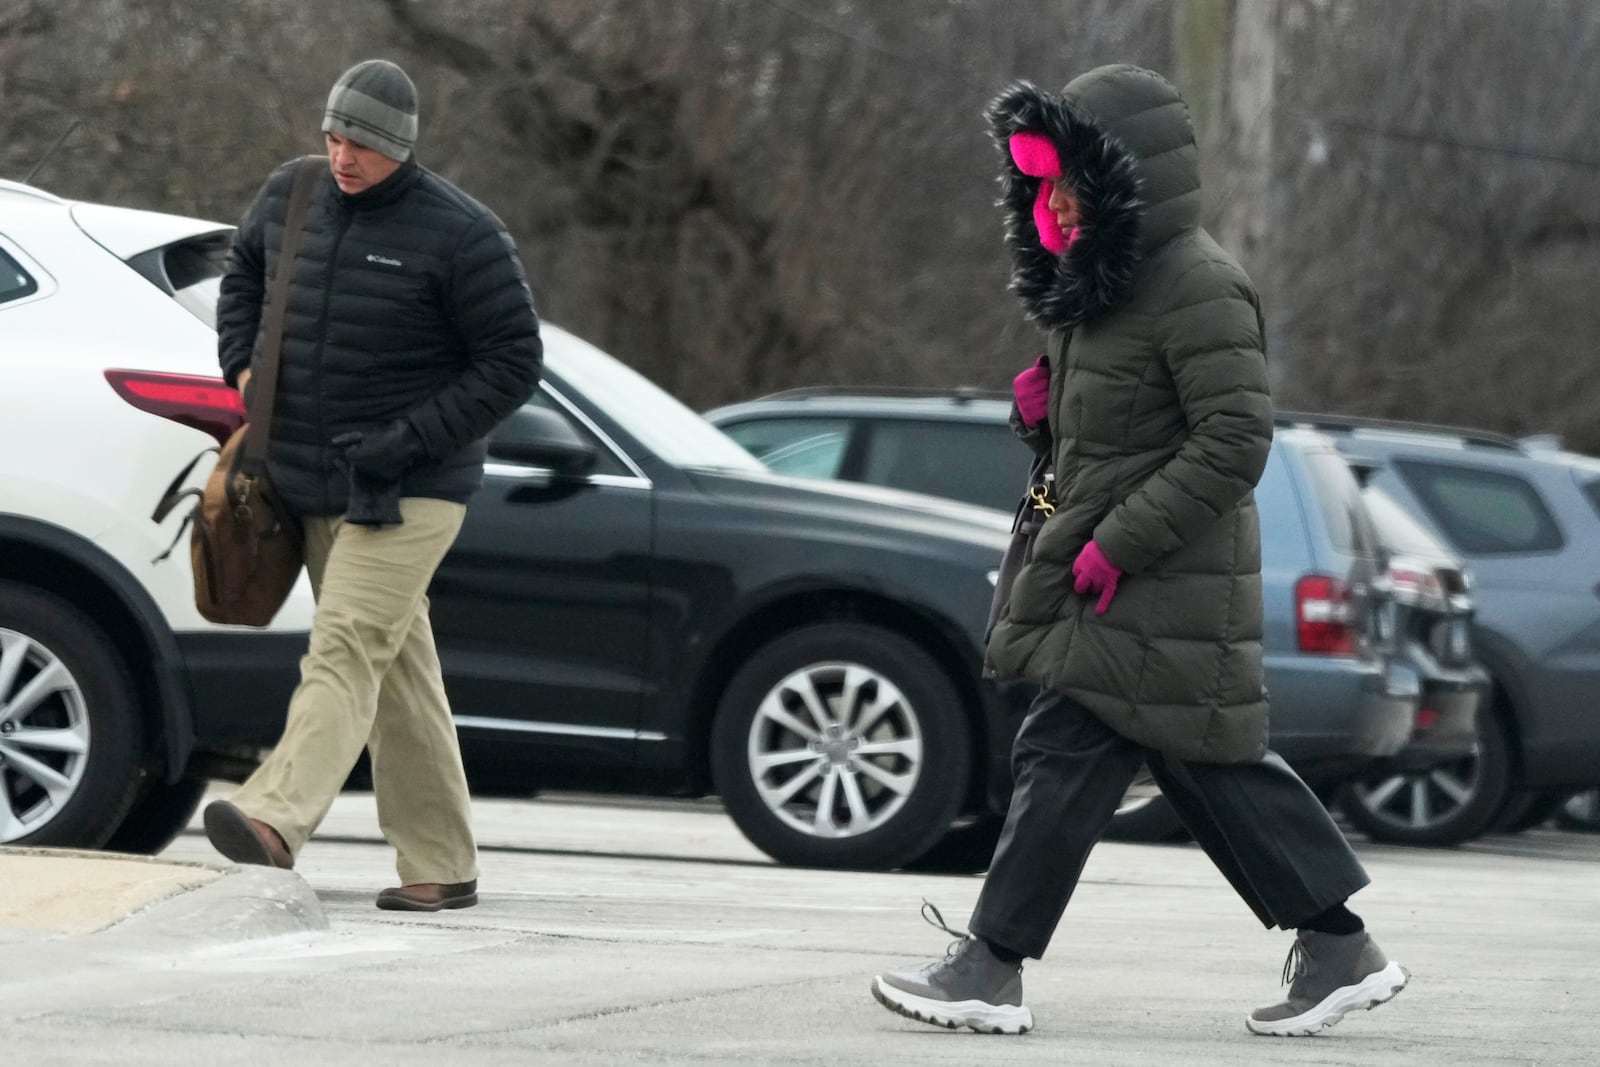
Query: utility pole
[1250, 216]
[1226, 60]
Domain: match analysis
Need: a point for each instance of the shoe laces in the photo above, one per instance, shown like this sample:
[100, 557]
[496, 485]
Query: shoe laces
[1295, 965]
[930, 915]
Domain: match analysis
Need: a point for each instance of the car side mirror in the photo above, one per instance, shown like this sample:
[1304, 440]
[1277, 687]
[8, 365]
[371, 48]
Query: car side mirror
[540, 438]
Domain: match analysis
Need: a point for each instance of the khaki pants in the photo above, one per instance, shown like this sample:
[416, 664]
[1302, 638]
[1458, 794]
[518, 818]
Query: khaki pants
[371, 678]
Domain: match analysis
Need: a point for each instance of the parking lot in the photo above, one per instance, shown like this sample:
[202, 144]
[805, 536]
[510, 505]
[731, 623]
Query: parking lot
[615, 931]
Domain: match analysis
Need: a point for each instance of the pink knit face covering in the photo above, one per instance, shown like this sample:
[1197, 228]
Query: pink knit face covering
[1036, 157]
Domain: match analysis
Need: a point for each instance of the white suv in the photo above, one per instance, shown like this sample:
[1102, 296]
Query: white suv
[109, 679]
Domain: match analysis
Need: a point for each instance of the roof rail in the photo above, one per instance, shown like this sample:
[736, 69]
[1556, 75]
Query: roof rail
[960, 393]
[1347, 423]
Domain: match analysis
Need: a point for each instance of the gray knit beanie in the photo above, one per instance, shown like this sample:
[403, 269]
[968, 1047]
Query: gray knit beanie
[374, 104]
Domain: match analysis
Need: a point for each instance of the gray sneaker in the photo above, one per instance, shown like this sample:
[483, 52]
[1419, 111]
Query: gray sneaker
[1332, 974]
[969, 987]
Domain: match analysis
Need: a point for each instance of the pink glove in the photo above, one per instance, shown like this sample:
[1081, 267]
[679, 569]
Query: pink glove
[1032, 390]
[1095, 574]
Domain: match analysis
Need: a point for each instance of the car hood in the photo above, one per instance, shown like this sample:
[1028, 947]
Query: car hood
[927, 516]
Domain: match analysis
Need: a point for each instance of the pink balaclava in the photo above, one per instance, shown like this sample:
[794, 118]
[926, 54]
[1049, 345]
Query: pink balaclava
[1036, 156]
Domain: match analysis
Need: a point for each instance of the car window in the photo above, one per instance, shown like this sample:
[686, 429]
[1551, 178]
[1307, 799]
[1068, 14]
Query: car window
[1338, 495]
[809, 448]
[655, 418]
[15, 283]
[607, 461]
[1483, 512]
[979, 463]
[194, 269]
[1397, 530]
[190, 270]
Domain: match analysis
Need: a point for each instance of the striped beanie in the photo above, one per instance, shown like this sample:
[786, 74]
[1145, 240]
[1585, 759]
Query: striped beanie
[374, 104]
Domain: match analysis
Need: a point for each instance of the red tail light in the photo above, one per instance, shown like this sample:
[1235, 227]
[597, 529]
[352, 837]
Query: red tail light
[1324, 616]
[207, 404]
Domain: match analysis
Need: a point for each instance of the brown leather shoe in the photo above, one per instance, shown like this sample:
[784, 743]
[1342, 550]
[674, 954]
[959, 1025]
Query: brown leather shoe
[243, 839]
[429, 896]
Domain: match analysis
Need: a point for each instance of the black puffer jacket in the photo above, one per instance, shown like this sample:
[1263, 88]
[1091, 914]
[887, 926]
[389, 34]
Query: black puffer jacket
[407, 302]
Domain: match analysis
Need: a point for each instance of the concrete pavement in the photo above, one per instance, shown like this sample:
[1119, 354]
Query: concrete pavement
[625, 934]
[55, 892]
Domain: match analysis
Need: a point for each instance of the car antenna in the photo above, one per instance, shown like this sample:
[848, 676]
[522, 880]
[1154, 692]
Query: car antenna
[46, 158]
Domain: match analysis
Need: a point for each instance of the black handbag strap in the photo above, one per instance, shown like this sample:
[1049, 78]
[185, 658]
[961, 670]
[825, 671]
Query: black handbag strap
[253, 449]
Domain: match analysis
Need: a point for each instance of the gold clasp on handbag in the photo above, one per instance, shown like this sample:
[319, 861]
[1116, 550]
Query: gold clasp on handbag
[1040, 495]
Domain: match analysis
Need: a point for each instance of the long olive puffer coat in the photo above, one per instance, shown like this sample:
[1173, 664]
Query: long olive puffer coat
[1160, 423]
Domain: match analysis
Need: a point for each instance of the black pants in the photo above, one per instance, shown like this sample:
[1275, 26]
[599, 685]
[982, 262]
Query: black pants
[1260, 824]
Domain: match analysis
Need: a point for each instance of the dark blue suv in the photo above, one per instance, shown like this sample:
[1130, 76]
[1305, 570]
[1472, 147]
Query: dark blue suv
[1340, 700]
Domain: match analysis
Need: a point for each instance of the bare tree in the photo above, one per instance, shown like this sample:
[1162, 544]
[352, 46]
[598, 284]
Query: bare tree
[741, 195]
[1438, 234]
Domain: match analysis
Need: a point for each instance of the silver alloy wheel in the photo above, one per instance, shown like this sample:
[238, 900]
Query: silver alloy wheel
[1420, 799]
[835, 750]
[1140, 794]
[44, 735]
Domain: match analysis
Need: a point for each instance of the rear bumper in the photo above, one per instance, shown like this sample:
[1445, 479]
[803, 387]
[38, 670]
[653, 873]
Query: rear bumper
[1446, 726]
[1333, 717]
[240, 684]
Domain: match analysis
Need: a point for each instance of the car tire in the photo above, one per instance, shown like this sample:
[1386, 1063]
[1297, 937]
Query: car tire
[1445, 805]
[965, 849]
[1527, 809]
[161, 811]
[73, 787]
[902, 781]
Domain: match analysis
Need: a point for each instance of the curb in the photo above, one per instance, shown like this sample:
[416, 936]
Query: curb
[245, 904]
[222, 903]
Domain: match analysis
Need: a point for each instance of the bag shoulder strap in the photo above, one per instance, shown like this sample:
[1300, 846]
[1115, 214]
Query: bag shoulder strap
[253, 449]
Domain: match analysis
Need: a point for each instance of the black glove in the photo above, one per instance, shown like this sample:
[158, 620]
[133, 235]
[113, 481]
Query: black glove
[376, 460]
[373, 503]
[382, 454]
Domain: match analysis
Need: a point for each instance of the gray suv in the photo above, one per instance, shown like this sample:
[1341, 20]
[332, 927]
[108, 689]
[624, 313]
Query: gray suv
[1525, 516]
[1339, 701]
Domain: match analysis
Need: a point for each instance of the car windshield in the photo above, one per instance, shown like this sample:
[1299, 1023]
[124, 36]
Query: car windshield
[1400, 533]
[646, 411]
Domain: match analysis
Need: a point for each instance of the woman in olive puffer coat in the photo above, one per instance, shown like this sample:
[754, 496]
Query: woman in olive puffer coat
[1140, 613]
[1159, 425]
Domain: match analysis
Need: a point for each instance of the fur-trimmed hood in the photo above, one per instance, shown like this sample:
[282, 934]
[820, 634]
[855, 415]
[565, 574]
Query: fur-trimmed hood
[1127, 149]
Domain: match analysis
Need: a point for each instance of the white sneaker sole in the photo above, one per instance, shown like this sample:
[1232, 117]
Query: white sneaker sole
[1375, 989]
[952, 1014]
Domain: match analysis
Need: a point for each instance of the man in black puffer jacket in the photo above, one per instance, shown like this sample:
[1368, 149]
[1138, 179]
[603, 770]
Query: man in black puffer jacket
[410, 334]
